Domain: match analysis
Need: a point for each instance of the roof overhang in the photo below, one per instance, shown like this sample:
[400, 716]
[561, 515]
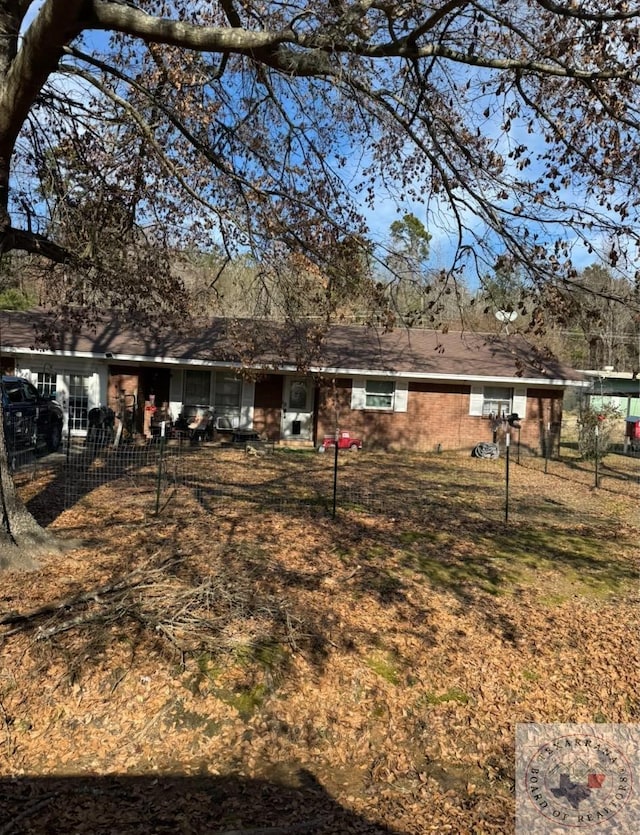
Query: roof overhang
[318, 370]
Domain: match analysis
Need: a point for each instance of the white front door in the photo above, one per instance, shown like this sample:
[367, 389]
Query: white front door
[297, 409]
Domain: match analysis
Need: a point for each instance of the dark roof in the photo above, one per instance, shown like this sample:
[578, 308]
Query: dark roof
[259, 343]
[428, 352]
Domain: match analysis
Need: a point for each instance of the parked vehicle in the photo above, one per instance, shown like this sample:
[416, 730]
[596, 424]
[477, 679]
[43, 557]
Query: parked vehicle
[345, 441]
[31, 420]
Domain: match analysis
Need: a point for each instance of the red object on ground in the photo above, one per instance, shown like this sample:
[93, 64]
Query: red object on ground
[345, 441]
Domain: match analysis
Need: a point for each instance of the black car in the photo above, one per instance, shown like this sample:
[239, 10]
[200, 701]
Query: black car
[31, 419]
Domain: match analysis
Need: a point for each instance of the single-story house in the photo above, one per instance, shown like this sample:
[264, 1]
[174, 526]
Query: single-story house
[405, 389]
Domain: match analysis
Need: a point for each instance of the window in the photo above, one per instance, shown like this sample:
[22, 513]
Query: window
[228, 393]
[30, 392]
[13, 390]
[197, 388]
[298, 395]
[496, 401]
[388, 395]
[46, 383]
[379, 394]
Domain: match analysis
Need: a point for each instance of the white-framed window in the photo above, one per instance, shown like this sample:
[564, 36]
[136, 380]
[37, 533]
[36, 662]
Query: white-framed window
[379, 394]
[497, 401]
[46, 383]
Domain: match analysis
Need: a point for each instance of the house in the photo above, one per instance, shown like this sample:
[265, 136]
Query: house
[618, 390]
[406, 389]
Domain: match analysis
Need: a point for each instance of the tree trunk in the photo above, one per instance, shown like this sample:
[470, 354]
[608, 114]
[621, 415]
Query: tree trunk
[22, 539]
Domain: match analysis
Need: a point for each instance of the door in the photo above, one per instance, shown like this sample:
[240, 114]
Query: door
[297, 409]
[76, 394]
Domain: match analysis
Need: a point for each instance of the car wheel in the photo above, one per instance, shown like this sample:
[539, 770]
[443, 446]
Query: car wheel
[322, 448]
[354, 447]
[55, 437]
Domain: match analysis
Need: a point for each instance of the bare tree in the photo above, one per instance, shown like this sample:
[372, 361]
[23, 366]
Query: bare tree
[593, 310]
[266, 127]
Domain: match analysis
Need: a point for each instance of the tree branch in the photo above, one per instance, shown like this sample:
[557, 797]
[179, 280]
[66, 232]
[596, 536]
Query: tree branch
[26, 241]
[310, 55]
[577, 11]
[56, 24]
[118, 17]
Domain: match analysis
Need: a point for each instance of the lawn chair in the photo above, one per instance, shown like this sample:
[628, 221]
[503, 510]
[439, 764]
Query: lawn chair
[195, 423]
[201, 427]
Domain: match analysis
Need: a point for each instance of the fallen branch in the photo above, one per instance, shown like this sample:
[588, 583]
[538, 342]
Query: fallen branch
[132, 580]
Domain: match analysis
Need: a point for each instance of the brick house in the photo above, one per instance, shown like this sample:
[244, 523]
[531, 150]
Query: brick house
[407, 389]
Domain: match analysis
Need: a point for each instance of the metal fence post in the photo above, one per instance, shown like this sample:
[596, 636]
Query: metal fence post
[160, 463]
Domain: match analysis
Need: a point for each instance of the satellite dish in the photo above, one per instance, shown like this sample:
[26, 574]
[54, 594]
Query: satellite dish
[506, 316]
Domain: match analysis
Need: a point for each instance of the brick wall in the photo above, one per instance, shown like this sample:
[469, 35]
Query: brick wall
[437, 417]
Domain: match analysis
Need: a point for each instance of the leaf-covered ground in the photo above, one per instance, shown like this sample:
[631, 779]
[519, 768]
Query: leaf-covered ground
[244, 662]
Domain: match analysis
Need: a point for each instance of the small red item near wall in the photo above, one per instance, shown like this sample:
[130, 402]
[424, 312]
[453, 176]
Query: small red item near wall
[149, 410]
[633, 428]
[345, 441]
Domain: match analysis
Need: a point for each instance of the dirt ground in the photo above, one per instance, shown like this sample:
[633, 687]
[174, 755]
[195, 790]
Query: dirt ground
[254, 666]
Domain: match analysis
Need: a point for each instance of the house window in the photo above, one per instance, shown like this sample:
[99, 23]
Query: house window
[228, 394]
[197, 388]
[379, 394]
[46, 383]
[496, 401]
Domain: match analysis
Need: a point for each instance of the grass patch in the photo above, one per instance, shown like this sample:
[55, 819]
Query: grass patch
[500, 563]
[245, 700]
[385, 667]
[453, 694]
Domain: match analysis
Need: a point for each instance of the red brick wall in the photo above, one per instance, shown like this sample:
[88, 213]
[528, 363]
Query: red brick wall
[267, 406]
[437, 417]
